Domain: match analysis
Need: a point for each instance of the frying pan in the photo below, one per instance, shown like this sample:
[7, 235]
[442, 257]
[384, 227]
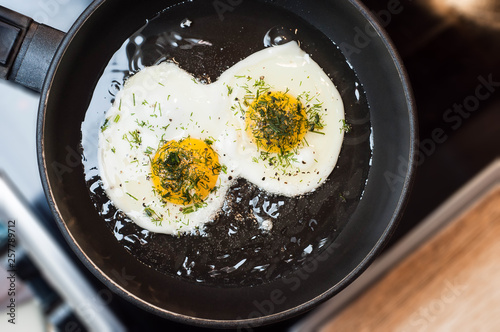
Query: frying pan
[67, 68]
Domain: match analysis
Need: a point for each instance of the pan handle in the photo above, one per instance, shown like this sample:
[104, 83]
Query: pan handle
[26, 49]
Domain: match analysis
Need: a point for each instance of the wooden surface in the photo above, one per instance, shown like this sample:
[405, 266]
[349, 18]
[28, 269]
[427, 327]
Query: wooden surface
[451, 283]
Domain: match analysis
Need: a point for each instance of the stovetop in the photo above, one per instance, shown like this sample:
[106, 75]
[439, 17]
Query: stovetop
[450, 50]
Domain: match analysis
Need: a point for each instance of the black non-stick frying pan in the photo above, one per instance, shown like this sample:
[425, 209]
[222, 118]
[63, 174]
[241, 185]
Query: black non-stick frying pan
[320, 243]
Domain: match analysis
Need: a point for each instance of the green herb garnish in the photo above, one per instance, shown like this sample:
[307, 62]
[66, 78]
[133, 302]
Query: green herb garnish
[105, 125]
[132, 196]
[157, 219]
[134, 138]
[345, 127]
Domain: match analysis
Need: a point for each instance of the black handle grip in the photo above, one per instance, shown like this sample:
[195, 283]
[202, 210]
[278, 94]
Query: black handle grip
[26, 49]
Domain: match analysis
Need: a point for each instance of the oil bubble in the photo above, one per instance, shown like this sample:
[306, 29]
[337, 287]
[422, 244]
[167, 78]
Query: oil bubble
[114, 88]
[186, 23]
[278, 36]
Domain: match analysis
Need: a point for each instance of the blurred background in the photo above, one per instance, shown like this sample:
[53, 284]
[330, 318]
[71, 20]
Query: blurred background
[449, 48]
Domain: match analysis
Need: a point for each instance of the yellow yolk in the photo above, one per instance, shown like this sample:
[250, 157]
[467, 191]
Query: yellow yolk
[185, 172]
[277, 121]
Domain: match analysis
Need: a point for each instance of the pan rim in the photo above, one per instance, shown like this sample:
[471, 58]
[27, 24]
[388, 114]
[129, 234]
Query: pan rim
[268, 319]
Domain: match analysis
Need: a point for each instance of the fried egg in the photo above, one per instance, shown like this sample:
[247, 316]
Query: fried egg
[160, 155]
[170, 147]
[290, 118]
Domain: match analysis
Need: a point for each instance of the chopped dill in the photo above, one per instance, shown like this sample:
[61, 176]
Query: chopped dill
[157, 219]
[188, 209]
[132, 196]
[345, 127]
[193, 208]
[105, 125]
[342, 198]
[134, 138]
[141, 124]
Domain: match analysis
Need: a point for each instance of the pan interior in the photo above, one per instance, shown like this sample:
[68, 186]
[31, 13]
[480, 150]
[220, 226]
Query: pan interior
[235, 252]
[343, 223]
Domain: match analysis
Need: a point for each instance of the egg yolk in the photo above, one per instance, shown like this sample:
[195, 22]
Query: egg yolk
[184, 172]
[277, 121]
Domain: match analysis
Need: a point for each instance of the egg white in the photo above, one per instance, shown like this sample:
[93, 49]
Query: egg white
[164, 103]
